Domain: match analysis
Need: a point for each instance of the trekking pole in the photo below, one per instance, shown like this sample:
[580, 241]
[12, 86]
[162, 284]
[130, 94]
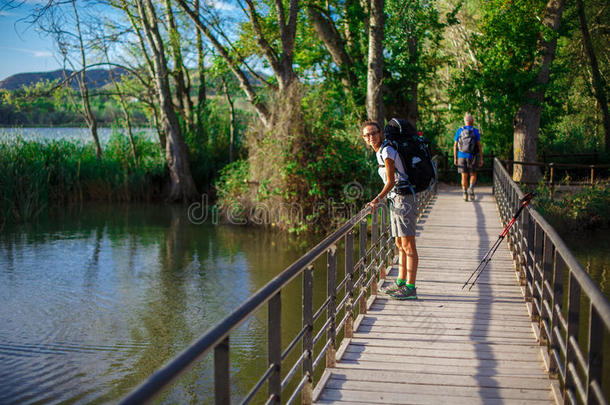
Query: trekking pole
[487, 258]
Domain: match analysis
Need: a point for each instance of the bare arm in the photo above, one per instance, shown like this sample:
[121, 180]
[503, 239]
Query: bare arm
[455, 151]
[389, 173]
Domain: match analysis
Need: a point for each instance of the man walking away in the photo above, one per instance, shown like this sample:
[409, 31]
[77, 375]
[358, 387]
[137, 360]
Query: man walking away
[467, 154]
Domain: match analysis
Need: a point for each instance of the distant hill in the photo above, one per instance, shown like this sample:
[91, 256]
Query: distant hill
[95, 78]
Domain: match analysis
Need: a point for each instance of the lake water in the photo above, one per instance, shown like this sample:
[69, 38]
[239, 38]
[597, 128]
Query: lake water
[94, 300]
[72, 134]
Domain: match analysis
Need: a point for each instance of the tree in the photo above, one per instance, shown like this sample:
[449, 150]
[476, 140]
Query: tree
[598, 83]
[182, 186]
[374, 82]
[527, 119]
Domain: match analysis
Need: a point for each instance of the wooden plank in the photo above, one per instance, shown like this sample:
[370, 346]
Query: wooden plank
[472, 370]
[467, 353]
[488, 362]
[441, 379]
[376, 397]
[448, 390]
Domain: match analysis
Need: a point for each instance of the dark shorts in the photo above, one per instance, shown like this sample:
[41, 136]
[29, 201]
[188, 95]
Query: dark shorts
[467, 165]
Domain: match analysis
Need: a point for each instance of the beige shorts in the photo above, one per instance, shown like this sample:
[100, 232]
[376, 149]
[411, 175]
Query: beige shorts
[402, 215]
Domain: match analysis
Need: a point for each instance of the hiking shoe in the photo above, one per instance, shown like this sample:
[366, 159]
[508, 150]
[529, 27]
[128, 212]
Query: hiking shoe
[465, 196]
[471, 194]
[391, 289]
[405, 293]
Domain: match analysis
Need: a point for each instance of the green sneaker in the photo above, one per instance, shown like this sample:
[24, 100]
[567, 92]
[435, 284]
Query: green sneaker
[471, 194]
[465, 196]
[405, 293]
[391, 289]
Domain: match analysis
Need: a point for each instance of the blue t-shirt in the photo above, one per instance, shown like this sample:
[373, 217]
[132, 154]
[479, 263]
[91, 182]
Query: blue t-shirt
[457, 137]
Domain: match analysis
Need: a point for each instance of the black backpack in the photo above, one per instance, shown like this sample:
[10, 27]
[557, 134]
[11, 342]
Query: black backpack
[467, 141]
[413, 152]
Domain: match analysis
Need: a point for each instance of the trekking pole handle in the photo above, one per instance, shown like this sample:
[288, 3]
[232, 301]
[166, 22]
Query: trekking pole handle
[527, 198]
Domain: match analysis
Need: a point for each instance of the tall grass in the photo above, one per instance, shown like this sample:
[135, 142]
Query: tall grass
[38, 174]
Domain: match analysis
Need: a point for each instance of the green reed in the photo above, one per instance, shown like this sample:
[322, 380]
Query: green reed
[40, 174]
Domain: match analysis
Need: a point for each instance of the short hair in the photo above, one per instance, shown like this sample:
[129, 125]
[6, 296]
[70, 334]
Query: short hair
[369, 123]
[468, 118]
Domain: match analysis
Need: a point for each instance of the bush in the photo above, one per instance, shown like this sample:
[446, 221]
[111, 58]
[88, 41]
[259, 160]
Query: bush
[586, 209]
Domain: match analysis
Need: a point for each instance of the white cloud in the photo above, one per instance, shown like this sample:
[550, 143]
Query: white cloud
[35, 53]
[6, 14]
[220, 5]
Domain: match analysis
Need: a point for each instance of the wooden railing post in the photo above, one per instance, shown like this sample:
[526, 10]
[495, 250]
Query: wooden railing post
[222, 387]
[596, 337]
[552, 178]
[307, 396]
[349, 284]
[547, 276]
[592, 174]
[573, 317]
[557, 302]
[362, 303]
[331, 290]
[274, 347]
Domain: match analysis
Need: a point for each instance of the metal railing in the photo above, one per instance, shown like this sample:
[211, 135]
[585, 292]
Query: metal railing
[561, 295]
[365, 263]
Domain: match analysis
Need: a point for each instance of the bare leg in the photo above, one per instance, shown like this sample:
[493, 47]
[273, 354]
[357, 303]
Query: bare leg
[408, 253]
[473, 179]
[402, 259]
[464, 181]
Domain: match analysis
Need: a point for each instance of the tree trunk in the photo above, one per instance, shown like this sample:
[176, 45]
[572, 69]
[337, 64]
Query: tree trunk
[527, 119]
[84, 90]
[180, 74]
[597, 80]
[182, 186]
[201, 91]
[329, 34]
[232, 115]
[374, 93]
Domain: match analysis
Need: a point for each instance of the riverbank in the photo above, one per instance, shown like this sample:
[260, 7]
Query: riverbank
[37, 175]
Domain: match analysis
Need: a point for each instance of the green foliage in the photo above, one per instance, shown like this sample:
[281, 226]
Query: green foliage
[39, 175]
[586, 209]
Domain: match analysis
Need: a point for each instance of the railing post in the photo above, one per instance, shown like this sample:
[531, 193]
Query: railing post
[557, 302]
[222, 387]
[331, 290]
[362, 303]
[537, 269]
[529, 252]
[375, 248]
[552, 178]
[349, 284]
[383, 237]
[592, 173]
[596, 337]
[307, 395]
[275, 346]
[573, 315]
[547, 267]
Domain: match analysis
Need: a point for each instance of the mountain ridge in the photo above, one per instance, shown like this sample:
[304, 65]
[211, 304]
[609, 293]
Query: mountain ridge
[94, 78]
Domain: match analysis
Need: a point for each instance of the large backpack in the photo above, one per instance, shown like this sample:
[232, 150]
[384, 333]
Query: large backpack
[413, 151]
[467, 141]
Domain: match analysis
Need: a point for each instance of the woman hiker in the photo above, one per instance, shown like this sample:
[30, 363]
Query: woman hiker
[402, 211]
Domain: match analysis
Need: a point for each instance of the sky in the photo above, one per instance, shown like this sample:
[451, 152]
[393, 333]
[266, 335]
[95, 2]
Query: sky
[22, 48]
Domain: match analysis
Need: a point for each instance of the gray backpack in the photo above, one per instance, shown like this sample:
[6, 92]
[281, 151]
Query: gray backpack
[467, 142]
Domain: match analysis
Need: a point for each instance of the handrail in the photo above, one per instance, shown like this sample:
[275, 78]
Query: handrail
[544, 263]
[368, 268]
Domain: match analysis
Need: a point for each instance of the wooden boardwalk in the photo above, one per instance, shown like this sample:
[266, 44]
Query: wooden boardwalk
[451, 345]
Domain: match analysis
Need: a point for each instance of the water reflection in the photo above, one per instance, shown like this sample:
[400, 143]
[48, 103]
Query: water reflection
[94, 300]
